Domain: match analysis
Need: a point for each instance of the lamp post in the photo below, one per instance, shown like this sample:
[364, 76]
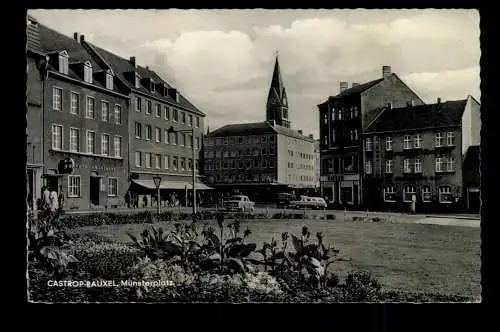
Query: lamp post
[157, 181]
[172, 130]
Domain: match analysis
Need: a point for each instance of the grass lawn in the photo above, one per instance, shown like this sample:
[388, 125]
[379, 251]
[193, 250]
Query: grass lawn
[403, 256]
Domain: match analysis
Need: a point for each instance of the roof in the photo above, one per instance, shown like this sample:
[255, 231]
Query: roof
[32, 36]
[355, 90]
[256, 128]
[277, 85]
[418, 117]
[121, 66]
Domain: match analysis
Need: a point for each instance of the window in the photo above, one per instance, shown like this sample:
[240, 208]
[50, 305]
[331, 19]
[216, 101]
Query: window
[138, 104]
[439, 139]
[90, 108]
[418, 166]
[138, 158]
[355, 111]
[112, 187]
[118, 146]
[271, 163]
[57, 137]
[149, 132]
[445, 194]
[87, 72]
[264, 151]
[352, 134]
[408, 192]
[75, 103]
[63, 63]
[148, 107]
[439, 164]
[406, 166]
[57, 99]
[271, 151]
[90, 142]
[74, 140]
[183, 163]
[105, 111]
[197, 122]
[368, 144]
[105, 145]
[426, 194]
[109, 81]
[138, 130]
[418, 141]
[368, 167]
[166, 136]
[450, 139]
[73, 186]
[407, 142]
[450, 164]
[352, 112]
[264, 163]
[174, 162]
[333, 114]
[183, 139]
[190, 164]
[148, 159]
[189, 140]
[158, 111]
[176, 138]
[166, 162]
[197, 143]
[158, 135]
[355, 134]
[388, 144]
[196, 165]
[175, 115]
[137, 81]
[158, 161]
[389, 194]
[190, 120]
[340, 114]
[166, 114]
[184, 117]
[325, 119]
[388, 166]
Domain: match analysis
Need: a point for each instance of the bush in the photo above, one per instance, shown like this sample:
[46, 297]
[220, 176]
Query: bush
[332, 280]
[361, 286]
[105, 260]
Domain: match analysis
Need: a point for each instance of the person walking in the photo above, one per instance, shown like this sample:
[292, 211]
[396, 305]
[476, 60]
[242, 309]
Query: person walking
[46, 198]
[54, 203]
[128, 198]
[60, 199]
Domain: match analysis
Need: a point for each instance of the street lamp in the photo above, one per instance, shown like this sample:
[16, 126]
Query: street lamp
[172, 130]
[157, 181]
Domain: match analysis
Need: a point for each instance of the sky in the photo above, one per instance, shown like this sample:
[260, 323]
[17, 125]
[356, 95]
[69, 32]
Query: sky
[222, 60]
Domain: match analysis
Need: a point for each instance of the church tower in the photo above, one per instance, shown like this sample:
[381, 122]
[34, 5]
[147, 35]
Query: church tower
[277, 103]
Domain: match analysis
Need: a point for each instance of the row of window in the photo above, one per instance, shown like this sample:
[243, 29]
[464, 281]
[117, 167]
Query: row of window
[168, 138]
[90, 112]
[240, 164]
[347, 164]
[251, 139]
[75, 184]
[168, 112]
[301, 155]
[87, 70]
[445, 195]
[240, 153]
[300, 166]
[442, 164]
[415, 141]
[245, 177]
[174, 162]
[339, 113]
[353, 136]
[90, 142]
[307, 178]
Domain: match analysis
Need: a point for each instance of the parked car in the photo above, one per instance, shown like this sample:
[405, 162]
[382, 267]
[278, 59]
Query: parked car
[240, 203]
[304, 202]
[283, 200]
[320, 202]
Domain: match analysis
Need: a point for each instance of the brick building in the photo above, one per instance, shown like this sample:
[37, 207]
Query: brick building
[342, 120]
[85, 124]
[34, 118]
[419, 151]
[155, 107]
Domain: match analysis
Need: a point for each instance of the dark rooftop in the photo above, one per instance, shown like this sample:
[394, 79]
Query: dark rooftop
[418, 117]
[32, 36]
[358, 88]
[256, 128]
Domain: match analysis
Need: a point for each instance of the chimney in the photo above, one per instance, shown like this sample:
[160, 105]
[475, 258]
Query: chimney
[311, 136]
[132, 60]
[147, 67]
[300, 131]
[386, 71]
[439, 100]
[354, 84]
[82, 39]
[389, 106]
[75, 36]
[343, 86]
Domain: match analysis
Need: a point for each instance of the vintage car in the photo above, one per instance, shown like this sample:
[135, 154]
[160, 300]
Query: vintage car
[320, 202]
[306, 202]
[240, 203]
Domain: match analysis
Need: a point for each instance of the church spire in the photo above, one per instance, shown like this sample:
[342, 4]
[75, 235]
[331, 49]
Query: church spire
[277, 104]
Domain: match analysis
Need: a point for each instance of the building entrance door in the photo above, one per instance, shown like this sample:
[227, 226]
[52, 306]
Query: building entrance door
[94, 190]
[346, 195]
[355, 193]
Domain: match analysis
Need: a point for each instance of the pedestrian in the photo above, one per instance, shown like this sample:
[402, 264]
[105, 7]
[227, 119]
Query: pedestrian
[46, 198]
[128, 198]
[54, 204]
[60, 199]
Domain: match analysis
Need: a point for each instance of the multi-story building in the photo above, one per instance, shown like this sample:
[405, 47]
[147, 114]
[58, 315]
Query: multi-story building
[416, 152]
[85, 125]
[36, 71]
[259, 159]
[155, 107]
[317, 164]
[342, 120]
[262, 158]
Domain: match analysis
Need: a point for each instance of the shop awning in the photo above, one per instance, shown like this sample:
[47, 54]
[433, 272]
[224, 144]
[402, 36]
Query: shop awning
[171, 185]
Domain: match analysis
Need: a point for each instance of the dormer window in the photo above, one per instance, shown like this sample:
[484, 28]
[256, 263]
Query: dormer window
[177, 96]
[152, 85]
[109, 80]
[87, 72]
[63, 62]
[165, 90]
[137, 81]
